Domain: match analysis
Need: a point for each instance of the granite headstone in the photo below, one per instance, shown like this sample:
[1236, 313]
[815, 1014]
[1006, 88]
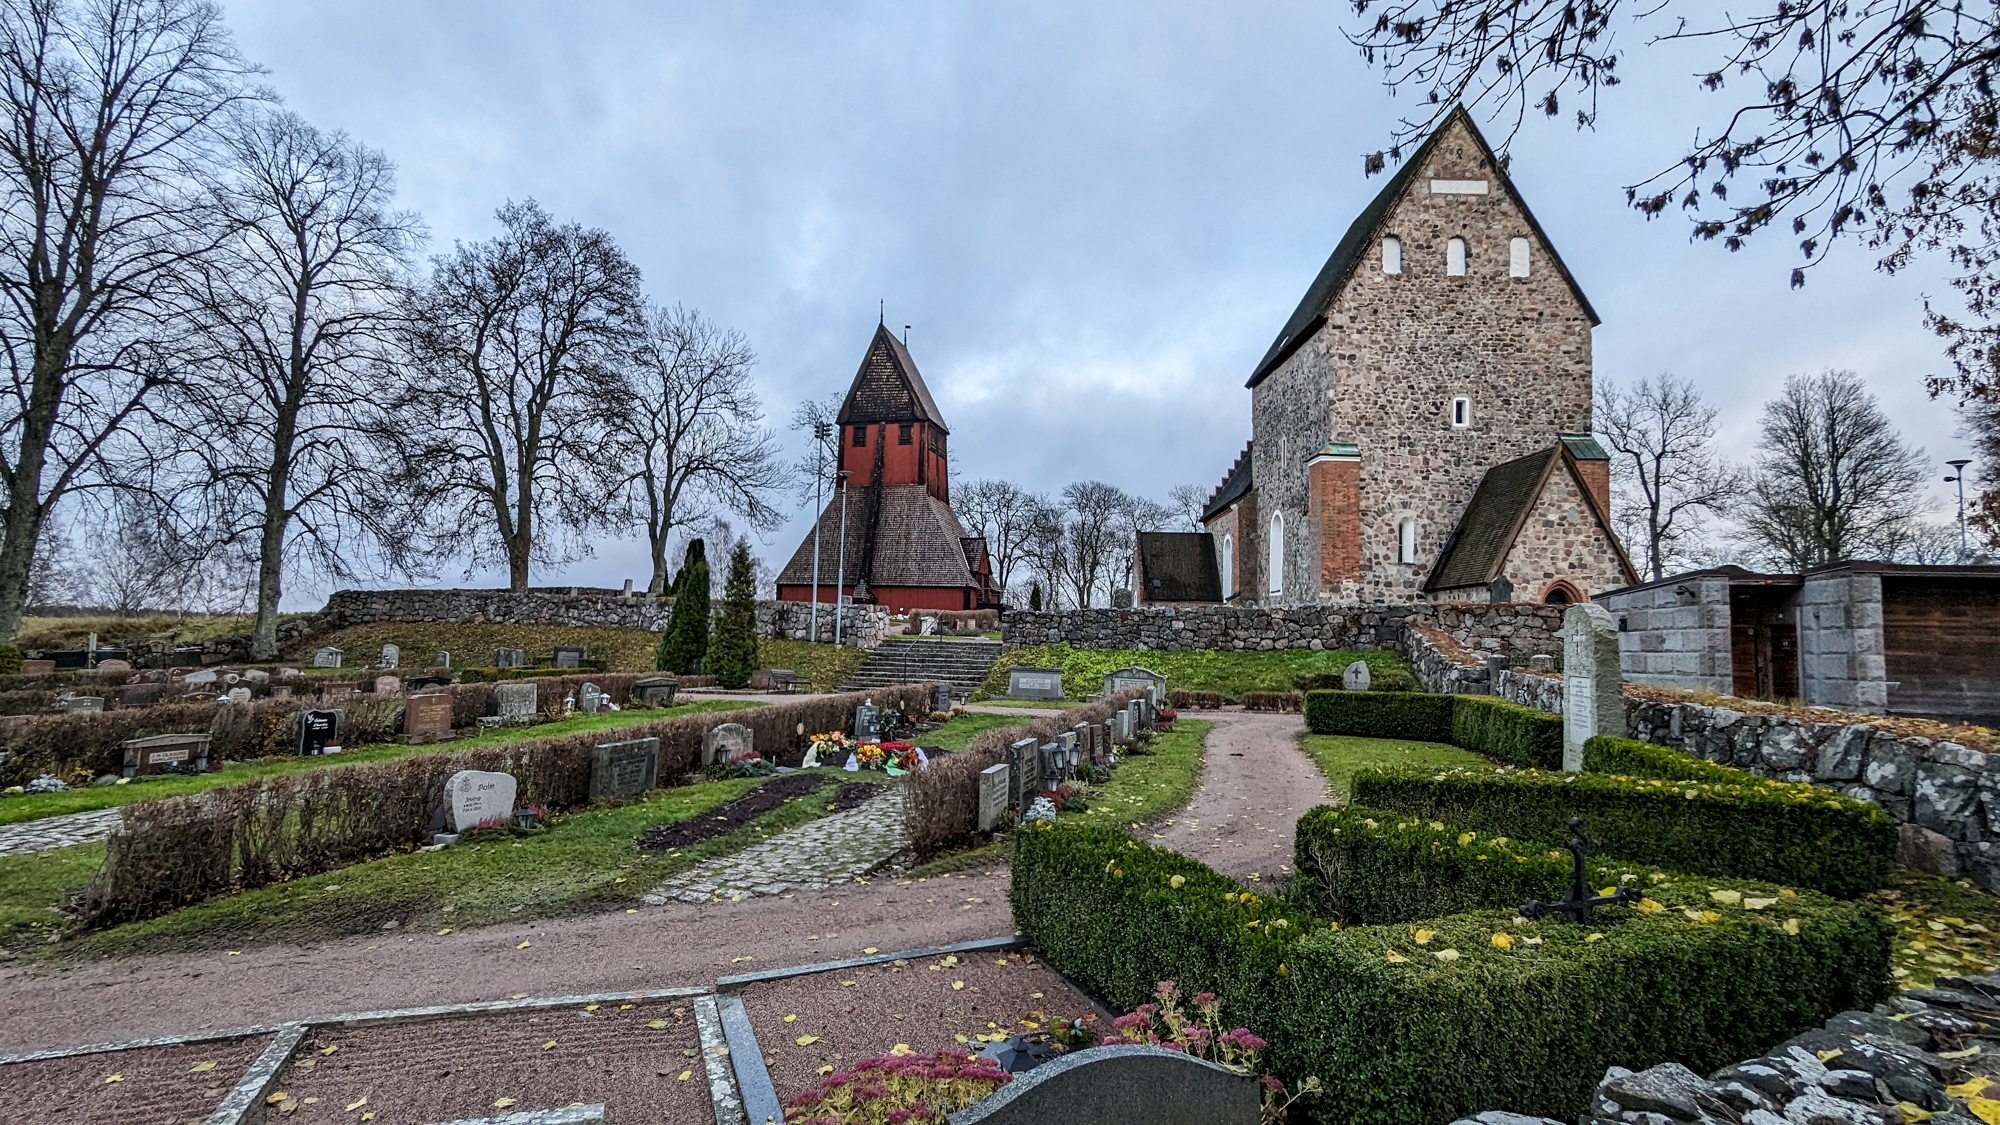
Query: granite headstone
[479, 795]
[1355, 678]
[516, 702]
[993, 796]
[1034, 683]
[624, 769]
[729, 742]
[1593, 683]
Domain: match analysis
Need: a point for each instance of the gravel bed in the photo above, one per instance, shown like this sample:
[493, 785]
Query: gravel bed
[450, 1069]
[155, 1085]
[920, 1004]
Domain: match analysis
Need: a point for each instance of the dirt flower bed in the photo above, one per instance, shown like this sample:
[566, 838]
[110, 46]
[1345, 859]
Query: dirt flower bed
[727, 818]
[812, 1026]
[642, 1061]
[140, 1087]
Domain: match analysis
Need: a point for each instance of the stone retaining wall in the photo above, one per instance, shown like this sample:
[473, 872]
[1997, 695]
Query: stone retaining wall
[863, 626]
[1515, 630]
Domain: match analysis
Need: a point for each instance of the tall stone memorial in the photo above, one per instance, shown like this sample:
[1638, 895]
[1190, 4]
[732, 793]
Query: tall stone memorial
[1593, 685]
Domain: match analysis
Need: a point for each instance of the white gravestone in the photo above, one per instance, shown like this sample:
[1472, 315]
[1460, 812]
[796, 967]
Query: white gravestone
[238, 695]
[1034, 683]
[1154, 683]
[516, 702]
[326, 658]
[1593, 685]
[392, 657]
[1356, 676]
[477, 795]
[387, 685]
[729, 742]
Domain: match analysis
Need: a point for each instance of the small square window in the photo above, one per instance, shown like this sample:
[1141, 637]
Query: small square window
[860, 436]
[903, 433]
[1461, 412]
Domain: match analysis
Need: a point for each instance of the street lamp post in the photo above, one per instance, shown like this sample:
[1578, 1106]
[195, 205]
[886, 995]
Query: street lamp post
[1958, 478]
[840, 569]
[819, 478]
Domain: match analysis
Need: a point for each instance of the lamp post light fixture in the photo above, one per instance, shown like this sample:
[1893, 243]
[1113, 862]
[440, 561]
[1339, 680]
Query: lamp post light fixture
[819, 478]
[1958, 478]
[840, 569]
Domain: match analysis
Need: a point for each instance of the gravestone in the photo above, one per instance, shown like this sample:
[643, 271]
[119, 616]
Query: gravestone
[162, 751]
[387, 685]
[624, 769]
[729, 742]
[256, 675]
[392, 657]
[1123, 1084]
[1541, 662]
[114, 667]
[142, 695]
[1121, 725]
[568, 656]
[83, 704]
[427, 718]
[441, 660]
[590, 700]
[993, 796]
[290, 672]
[282, 691]
[1154, 683]
[1052, 764]
[940, 697]
[868, 722]
[1034, 683]
[238, 695]
[656, 691]
[326, 658]
[1025, 771]
[1356, 676]
[317, 731]
[516, 702]
[477, 795]
[1593, 684]
[429, 681]
[510, 658]
[38, 667]
[205, 676]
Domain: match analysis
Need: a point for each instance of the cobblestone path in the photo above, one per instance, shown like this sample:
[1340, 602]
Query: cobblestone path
[57, 831]
[811, 857]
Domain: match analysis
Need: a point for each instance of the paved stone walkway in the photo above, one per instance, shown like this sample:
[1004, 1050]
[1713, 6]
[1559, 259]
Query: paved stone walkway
[57, 831]
[811, 857]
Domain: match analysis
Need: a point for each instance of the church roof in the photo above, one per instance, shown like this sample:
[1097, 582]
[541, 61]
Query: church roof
[1478, 547]
[1233, 487]
[1178, 566]
[888, 388]
[918, 541]
[1311, 313]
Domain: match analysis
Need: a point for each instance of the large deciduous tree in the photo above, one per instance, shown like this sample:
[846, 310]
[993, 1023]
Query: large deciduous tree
[1004, 514]
[690, 439]
[1833, 480]
[506, 375]
[1665, 467]
[288, 311]
[107, 110]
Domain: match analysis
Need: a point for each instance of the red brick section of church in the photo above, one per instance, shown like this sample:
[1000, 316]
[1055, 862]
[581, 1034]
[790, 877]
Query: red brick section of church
[1596, 476]
[1335, 499]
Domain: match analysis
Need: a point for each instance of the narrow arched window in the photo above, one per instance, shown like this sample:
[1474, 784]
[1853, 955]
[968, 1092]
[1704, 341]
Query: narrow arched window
[1461, 412]
[1454, 258]
[1278, 553]
[1228, 566]
[1392, 255]
[1406, 541]
[1517, 258]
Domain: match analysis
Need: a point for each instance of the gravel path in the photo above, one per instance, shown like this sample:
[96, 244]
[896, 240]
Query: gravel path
[1255, 783]
[812, 857]
[58, 831]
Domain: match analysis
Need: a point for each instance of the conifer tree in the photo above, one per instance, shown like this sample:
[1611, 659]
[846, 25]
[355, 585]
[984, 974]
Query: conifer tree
[685, 642]
[733, 656]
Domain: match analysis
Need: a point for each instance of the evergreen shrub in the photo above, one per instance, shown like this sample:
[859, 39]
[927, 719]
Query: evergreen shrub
[1419, 716]
[1516, 735]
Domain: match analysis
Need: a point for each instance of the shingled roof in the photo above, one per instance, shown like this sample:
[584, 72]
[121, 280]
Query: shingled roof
[1178, 566]
[1477, 549]
[1311, 313]
[888, 388]
[918, 542]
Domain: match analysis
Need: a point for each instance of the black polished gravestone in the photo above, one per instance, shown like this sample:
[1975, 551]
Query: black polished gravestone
[318, 730]
[1126, 1084]
[624, 769]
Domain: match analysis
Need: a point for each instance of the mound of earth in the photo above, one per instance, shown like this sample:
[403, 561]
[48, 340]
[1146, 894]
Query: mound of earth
[727, 818]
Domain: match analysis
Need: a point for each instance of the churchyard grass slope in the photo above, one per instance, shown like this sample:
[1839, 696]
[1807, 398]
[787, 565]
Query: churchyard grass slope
[34, 806]
[1231, 673]
[622, 650]
[74, 632]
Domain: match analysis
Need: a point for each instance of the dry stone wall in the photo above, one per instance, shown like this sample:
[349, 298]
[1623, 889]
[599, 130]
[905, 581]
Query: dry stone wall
[1514, 630]
[863, 626]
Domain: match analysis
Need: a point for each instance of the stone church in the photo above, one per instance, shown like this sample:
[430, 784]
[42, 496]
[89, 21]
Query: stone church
[887, 534]
[1421, 425]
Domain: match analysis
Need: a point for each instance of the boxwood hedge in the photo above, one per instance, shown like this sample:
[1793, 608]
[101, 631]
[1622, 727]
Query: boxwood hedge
[1517, 735]
[1793, 833]
[1633, 758]
[1408, 1025]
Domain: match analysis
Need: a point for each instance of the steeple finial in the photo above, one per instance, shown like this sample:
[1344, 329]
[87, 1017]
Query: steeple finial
[881, 312]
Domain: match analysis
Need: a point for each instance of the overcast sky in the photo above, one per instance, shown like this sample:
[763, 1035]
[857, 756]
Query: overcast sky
[1095, 217]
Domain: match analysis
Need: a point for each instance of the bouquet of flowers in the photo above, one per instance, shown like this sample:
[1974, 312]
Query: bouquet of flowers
[871, 756]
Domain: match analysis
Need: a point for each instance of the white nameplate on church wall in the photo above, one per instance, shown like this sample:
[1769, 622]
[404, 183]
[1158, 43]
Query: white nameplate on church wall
[1458, 187]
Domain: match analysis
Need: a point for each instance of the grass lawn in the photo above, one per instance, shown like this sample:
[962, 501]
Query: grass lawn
[1231, 673]
[1339, 755]
[1031, 704]
[827, 666]
[959, 733]
[1943, 928]
[34, 806]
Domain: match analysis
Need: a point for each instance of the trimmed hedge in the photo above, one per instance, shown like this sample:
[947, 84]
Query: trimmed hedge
[1516, 735]
[1423, 1039]
[1633, 758]
[1421, 716]
[1271, 701]
[1750, 827]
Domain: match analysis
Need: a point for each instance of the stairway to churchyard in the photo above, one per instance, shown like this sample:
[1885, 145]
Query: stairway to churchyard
[909, 660]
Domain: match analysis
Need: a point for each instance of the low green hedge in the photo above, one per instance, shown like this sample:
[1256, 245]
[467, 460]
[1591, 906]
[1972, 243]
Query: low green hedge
[1410, 1032]
[1749, 827]
[1516, 735]
[1633, 758]
[1421, 716]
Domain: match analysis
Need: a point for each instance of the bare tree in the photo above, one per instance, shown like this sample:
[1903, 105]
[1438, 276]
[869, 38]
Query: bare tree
[146, 556]
[1188, 502]
[507, 362]
[1005, 515]
[818, 420]
[1139, 514]
[1095, 530]
[692, 437]
[287, 312]
[1667, 472]
[1833, 480]
[106, 110]
[1045, 550]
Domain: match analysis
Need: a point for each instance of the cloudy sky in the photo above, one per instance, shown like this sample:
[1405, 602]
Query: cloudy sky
[1094, 217]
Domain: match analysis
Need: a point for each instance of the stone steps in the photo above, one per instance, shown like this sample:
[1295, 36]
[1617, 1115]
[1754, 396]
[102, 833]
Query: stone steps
[963, 664]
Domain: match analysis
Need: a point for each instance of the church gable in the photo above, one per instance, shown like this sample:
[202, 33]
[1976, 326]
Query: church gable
[888, 387]
[1565, 547]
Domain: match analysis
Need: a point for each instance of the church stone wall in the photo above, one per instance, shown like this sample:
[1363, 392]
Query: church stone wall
[1563, 540]
[1396, 349]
